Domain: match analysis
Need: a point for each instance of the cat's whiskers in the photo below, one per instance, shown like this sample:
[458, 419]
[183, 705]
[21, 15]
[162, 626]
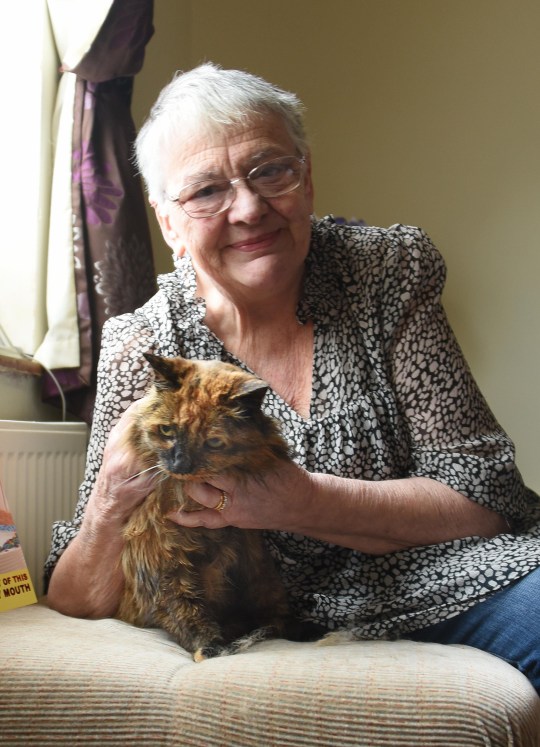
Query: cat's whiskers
[157, 467]
[164, 475]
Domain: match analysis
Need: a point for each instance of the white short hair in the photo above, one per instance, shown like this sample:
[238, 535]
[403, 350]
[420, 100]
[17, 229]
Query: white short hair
[209, 99]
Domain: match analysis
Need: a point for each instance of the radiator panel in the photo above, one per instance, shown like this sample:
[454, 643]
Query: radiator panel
[41, 467]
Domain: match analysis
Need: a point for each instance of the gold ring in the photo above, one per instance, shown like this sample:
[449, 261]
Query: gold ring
[223, 501]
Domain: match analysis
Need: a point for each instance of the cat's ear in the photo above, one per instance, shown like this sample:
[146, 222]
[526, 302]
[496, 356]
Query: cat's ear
[251, 394]
[167, 372]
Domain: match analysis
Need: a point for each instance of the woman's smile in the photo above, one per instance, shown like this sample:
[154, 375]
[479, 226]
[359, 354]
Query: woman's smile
[255, 243]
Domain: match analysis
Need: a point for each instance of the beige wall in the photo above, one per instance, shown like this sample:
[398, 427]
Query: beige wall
[420, 111]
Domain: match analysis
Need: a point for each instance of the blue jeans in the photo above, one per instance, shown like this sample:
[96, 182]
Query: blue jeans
[507, 625]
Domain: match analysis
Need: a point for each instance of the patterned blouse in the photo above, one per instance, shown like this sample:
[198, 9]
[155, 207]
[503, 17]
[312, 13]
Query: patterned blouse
[392, 397]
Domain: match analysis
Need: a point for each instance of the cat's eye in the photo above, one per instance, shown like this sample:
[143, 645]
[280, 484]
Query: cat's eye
[215, 442]
[167, 431]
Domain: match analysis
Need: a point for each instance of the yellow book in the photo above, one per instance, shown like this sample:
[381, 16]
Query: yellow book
[16, 588]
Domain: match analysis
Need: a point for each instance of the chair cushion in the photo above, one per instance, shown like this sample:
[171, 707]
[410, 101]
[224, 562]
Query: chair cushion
[68, 681]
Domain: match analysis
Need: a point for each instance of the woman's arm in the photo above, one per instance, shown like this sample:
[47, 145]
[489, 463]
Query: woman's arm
[370, 517]
[392, 515]
[88, 580]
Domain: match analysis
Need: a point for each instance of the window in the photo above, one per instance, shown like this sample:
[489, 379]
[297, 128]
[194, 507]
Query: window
[28, 80]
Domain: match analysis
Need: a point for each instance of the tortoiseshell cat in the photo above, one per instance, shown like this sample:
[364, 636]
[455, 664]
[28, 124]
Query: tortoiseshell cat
[207, 588]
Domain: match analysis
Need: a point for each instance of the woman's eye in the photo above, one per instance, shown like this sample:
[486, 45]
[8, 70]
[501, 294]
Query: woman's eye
[215, 442]
[203, 190]
[272, 171]
[166, 430]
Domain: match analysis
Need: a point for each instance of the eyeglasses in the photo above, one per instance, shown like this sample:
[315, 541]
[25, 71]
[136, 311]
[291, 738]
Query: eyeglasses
[214, 196]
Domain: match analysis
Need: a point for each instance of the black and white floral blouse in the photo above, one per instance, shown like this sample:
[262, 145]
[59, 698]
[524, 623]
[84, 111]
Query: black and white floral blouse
[392, 397]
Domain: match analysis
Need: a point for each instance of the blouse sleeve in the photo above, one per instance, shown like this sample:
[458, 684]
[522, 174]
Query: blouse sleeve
[454, 437]
[122, 377]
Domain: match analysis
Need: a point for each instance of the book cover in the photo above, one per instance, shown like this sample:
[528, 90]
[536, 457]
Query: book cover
[16, 588]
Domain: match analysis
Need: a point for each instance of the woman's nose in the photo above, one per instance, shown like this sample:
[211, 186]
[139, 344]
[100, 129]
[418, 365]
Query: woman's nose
[247, 205]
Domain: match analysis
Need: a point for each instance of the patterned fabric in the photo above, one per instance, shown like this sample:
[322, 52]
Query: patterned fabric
[392, 397]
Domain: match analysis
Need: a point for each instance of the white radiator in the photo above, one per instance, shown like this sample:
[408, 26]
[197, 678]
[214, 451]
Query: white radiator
[41, 467]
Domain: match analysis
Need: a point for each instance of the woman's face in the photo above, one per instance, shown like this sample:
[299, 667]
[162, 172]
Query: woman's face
[256, 248]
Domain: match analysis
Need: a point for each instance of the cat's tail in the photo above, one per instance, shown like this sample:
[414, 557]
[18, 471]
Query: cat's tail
[293, 631]
[247, 641]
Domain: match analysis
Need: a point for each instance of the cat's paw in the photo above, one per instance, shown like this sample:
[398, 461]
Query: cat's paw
[208, 652]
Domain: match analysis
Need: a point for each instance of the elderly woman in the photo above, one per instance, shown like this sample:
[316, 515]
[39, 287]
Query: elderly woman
[403, 512]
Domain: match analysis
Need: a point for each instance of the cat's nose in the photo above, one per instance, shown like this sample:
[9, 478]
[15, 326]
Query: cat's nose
[180, 463]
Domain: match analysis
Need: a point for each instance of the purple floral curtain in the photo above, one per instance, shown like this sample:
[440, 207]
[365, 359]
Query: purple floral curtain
[114, 269]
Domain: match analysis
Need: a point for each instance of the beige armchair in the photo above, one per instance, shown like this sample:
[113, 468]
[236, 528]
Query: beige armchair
[77, 682]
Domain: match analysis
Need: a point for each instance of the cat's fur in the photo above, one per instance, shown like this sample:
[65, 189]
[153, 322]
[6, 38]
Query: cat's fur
[208, 588]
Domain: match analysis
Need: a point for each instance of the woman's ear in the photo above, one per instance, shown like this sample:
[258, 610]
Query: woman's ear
[308, 181]
[169, 233]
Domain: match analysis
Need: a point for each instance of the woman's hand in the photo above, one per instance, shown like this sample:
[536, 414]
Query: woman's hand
[123, 481]
[278, 501]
